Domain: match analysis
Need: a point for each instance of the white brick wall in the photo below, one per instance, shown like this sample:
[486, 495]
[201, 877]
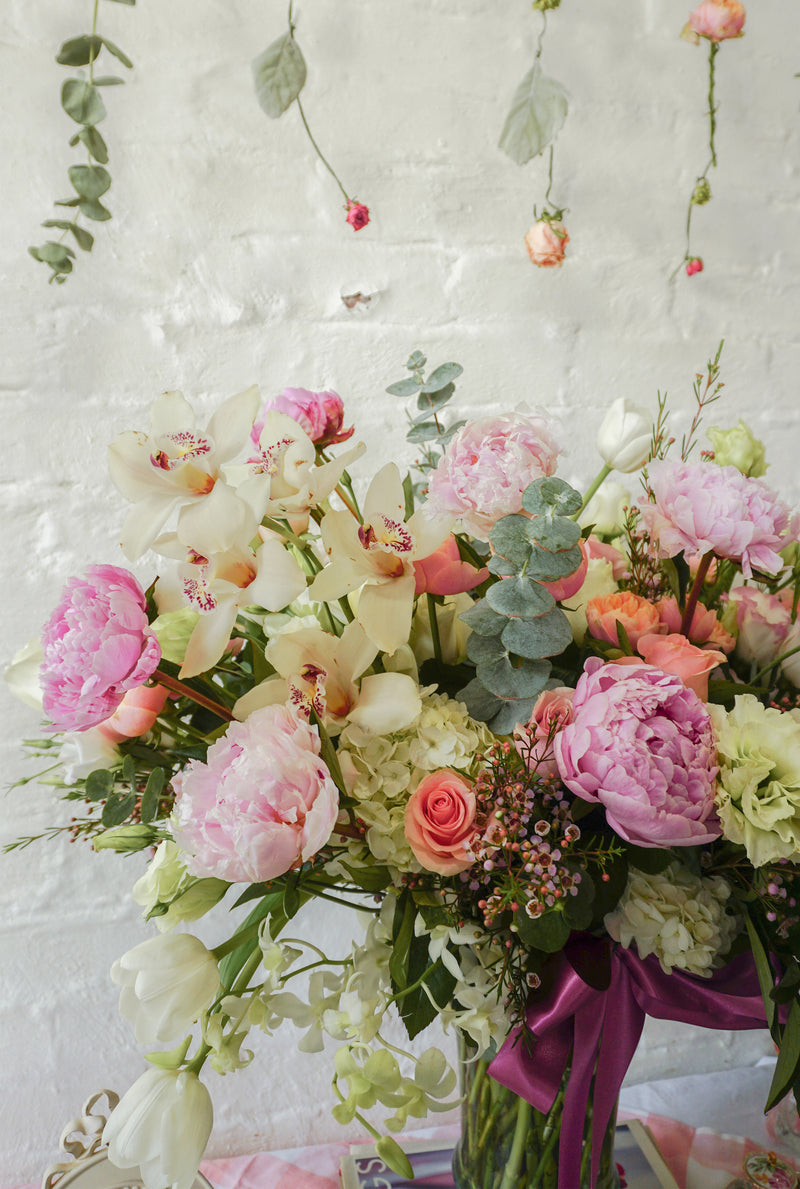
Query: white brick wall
[225, 263]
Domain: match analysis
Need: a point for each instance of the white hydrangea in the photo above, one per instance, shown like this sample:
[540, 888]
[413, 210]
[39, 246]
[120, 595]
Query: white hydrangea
[679, 917]
[381, 771]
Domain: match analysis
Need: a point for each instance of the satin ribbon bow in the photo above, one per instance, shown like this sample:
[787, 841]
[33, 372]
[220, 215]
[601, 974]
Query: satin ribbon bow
[592, 1020]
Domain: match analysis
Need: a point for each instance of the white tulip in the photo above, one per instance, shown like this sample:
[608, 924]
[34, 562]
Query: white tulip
[162, 1126]
[167, 982]
[625, 436]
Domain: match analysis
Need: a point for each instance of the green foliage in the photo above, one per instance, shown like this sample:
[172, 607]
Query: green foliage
[538, 111]
[432, 394]
[279, 75]
[83, 103]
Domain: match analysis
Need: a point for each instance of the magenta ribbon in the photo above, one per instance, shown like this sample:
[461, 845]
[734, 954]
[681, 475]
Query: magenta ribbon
[594, 1015]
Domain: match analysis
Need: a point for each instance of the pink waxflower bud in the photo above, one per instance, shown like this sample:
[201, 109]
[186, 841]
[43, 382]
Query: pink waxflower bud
[694, 265]
[357, 215]
[546, 243]
[716, 20]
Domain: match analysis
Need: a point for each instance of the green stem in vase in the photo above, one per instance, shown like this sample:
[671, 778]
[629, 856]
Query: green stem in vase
[549, 1138]
[517, 1153]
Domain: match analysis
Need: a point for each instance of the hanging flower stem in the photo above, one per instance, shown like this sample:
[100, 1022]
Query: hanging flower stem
[319, 152]
[701, 194]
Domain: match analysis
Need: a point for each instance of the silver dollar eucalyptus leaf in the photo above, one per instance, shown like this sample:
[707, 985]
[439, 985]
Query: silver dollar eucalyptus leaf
[538, 111]
[279, 75]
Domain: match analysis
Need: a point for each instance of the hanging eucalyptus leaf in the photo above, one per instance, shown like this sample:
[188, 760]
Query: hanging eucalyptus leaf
[509, 538]
[94, 210]
[555, 533]
[279, 75]
[79, 51]
[538, 111]
[94, 143]
[55, 254]
[500, 714]
[83, 238]
[90, 181]
[548, 567]
[483, 620]
[405, 387]
[117, 52]
[81, 101]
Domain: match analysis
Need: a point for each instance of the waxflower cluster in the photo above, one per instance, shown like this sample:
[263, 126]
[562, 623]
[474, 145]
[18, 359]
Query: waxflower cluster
[522, 729]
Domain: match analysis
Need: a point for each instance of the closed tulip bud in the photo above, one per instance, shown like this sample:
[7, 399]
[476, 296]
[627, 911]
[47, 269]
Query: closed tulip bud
[167, 982]
[625, 436]
[162, 1127]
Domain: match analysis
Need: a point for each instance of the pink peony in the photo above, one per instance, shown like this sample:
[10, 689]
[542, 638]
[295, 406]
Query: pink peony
[641, 745]
[320, 414]
[534, 740]
[136, 713]
[444, 573]
[97, 645]
[439, 822]
[357, 215]
[717, 20]
[675, 654]
[700, 506]
[486, 467]
[263, 803]
[546, 243]
[763, 620]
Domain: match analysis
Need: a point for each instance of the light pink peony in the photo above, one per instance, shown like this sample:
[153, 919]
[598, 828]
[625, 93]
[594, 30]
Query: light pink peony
[641, 745]
[763, 620]
[717, 20]
[534, 741]
[263, 803]
[439, 822]
[320, 414]
[675, 654]
[700, 506]
[444, 573]
[486, 467]
[97, 645]
[546, 243]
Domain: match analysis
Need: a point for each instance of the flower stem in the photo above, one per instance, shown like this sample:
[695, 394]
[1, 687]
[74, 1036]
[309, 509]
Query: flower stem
[437, 642]
[694, 594]
[713, 50]
[514, 1162]
[178, 687]
[319, 152]
[772, 664]
[593, 487]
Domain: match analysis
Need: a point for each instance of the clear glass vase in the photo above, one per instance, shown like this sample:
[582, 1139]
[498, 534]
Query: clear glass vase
[507, 1144]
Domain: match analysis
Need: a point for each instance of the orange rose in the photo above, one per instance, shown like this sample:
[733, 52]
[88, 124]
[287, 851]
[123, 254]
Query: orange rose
[135, 714]
[439, 822]
[675, 654]
[637, 616]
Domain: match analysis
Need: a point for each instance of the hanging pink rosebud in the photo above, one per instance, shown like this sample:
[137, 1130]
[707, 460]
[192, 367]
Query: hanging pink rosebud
[716, 20]
[357, 215]
[546, 243]
[693, 266]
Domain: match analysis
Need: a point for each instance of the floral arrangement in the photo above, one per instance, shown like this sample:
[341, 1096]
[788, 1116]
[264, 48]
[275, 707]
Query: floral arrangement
[546, 743]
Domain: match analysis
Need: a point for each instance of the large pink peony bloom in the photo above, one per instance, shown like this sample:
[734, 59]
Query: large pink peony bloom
[320, 414]
[487, 466]
[97, 645]
[263, 802]
[700, 506]
[641, 745]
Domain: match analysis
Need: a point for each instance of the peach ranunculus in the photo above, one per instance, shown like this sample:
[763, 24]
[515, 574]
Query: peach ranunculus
[637, 616]
[715, 20]
[439, 822]
[136, 713]
[675, 654]
[534, 740]
[565, 588]
[444, 573]
[704, 629]
[546, 243]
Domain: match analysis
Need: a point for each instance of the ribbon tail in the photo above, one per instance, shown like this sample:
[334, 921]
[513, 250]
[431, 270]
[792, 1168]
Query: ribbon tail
[622, 1028]
[588, 1030]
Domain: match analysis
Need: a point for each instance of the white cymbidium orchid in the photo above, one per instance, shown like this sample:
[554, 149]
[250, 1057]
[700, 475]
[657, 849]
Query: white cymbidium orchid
[219, 586]
[378, 558]
[284, 480]
[162, 1125]
[320, 672]
[167, 983]
[175, 466]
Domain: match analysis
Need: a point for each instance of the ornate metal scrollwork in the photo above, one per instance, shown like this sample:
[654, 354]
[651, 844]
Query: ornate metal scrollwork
[82, 1137]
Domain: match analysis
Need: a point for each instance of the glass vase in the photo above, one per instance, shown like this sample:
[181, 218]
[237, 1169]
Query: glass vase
[507, 1144]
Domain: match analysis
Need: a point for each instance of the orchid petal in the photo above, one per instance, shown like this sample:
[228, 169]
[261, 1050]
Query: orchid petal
[231, 424]
[356, 651]
[385, 496]
[384, 612]
[388, 702]
[336, 580]
[171, 413]
[428, 533]
[208, 640]
[143, 524]
[279, 580]
[272, 692]
[217, 522]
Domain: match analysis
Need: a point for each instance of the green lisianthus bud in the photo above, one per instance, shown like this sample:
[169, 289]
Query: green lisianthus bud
[545, 5]
[701, 193]
[738, 447]
[130, 838]
[173, 630]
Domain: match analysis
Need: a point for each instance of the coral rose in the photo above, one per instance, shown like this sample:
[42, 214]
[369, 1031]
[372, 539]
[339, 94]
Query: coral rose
[534, 741]
[675, 654]
[439, 822]
[717, 20]
[97, 645]
[636, 615]
[444, 573]
[263, 803]
[642, 746]
[136, 713]
[546, 243]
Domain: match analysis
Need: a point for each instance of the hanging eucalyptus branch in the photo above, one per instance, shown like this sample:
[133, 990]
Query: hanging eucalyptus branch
[83, 103]
[713, 21]
[537, 114]
[279, 75]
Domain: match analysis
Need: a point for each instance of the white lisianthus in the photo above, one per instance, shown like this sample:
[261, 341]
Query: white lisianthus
[167, 983]
[738, 447]
[625, 436]
[162, 1126]
[679, 917]
[83, 752]
[758, 787]
[22, 675]
[166, 876]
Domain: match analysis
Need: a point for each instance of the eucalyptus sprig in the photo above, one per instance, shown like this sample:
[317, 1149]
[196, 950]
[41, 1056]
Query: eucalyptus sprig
[427, 429]
[82, 101]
